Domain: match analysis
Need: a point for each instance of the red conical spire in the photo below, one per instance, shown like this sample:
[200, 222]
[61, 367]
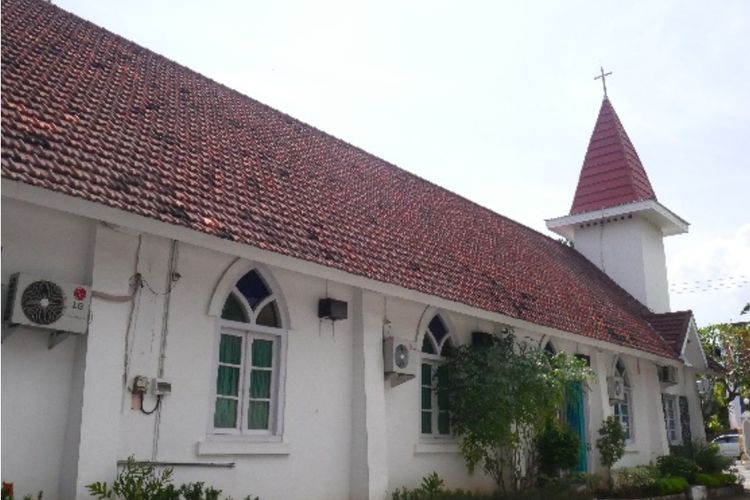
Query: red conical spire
[612, 173]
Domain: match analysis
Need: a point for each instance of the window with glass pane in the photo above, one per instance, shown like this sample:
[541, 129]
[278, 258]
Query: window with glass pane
[623, 410]
[261, 372]
[426, 398]
[444, 426]
[622, 413]
[248, 364]
[435, 417]
[670, 418]
[228, 382]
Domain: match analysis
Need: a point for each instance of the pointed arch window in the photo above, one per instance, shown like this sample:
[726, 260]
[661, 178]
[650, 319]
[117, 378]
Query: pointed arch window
[623, 410]
[435, 418]
[249, 361]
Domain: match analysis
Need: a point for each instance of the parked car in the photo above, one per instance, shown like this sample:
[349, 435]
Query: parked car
[729, 445]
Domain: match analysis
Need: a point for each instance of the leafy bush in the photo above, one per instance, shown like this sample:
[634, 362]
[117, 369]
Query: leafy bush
[432, 489]
[431, 486]
[6, 493]
[715, 480]
[611, 444]
[196, 491]
[671, 485]
[635, 481]
[141, 481]
[705, 455]
[711, 461]
[557, 448]
[501, 394]
[673, 465]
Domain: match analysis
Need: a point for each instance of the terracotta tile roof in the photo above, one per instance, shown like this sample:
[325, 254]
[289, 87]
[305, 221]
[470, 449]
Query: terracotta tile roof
[612, 173]
[91, 115]
[672, 326]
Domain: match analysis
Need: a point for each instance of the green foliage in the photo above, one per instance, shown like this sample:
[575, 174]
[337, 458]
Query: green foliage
[432, 485]
[197, 491]
[671, 485]
[6, 493]
[728, 345]
[611, 445]
[501, 395]
[673, 465]
[611, 442]
[557, 448]
[634, 481]
[141, 481]
[705, 455]
[137, 481]
[432, 489]
[716, 480]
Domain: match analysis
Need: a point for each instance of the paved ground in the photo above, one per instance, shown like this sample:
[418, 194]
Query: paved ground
[744, 469]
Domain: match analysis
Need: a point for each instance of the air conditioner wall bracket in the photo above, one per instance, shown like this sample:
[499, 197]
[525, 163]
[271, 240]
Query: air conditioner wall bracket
[56, 337]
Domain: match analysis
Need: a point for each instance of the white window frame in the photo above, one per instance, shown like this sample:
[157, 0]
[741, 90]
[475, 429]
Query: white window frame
[435, 361]
[250, 331]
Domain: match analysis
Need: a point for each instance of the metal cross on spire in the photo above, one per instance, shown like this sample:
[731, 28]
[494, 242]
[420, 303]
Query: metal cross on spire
[603, 76]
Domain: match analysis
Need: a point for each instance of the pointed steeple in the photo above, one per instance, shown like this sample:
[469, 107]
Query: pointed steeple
[615, 221]
[612, 173]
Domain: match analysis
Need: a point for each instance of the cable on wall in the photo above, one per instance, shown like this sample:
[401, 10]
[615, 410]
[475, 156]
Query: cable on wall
[171, 279]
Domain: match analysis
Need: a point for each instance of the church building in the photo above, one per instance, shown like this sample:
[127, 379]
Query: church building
[197, 280]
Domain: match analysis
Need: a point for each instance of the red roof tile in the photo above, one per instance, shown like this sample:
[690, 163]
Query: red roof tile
[612, 173]
[91, 115]
[672, 326]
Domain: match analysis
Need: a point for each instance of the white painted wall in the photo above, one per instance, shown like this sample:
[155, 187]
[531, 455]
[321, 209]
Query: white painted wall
[40, 392]
[631, 252]
[347, 432]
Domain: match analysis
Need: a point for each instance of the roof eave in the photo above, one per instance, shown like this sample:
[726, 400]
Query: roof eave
[667, 221]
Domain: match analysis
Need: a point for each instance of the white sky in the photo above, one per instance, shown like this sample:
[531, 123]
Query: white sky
[496, 100]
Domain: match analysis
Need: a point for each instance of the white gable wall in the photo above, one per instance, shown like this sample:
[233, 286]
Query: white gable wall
[347, 432]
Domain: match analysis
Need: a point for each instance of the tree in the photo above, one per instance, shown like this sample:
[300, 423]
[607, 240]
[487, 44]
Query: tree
[501, 395]
[611, 445]
[728, 346]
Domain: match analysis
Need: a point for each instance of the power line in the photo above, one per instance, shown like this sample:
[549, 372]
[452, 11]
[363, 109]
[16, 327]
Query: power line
[711, 284]
[741, 277]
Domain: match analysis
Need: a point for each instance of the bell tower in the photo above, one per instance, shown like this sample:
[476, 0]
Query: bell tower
[616, 221]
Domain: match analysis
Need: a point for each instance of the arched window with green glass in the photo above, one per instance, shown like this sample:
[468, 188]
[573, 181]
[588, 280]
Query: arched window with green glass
[249, 360]
[435, 417]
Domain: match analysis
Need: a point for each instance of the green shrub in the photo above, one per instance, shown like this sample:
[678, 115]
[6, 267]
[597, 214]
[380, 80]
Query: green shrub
[635, 481]
[611, 445]
[432, 489]
[670, 486]
[557, 448]
[673, 465]
[711, 461]
[715, 480]
[197, 491]
[137, 481]
[140, 481]
[431, 486]
[705, 455]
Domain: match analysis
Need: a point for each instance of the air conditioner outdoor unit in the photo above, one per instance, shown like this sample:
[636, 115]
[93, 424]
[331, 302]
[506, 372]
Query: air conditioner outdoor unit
[397, 362]
[34, 301]
[668, 375]
[616, 389]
